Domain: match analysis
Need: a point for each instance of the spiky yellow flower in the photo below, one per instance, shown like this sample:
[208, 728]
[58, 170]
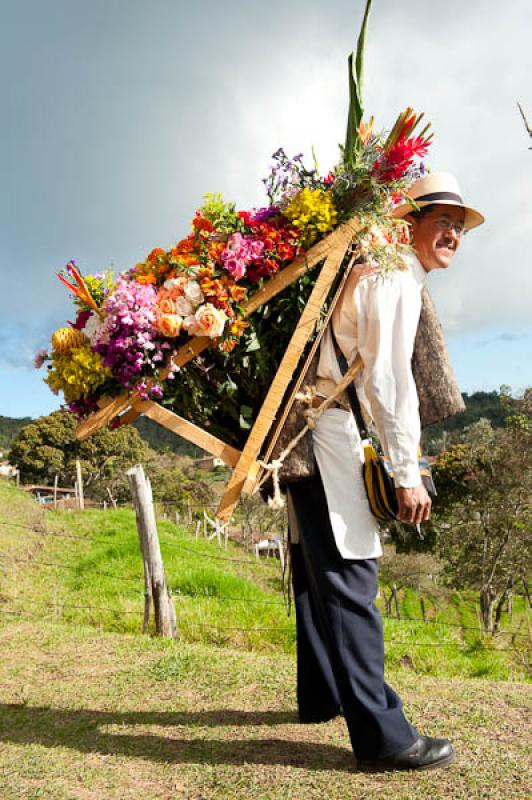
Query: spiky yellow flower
[65, 339]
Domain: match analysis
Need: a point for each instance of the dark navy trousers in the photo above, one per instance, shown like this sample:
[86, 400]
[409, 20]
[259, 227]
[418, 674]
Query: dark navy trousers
[340, 648]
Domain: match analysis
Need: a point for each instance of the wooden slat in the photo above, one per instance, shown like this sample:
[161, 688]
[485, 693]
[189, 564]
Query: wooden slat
[252, 482]
[290, 360]
[229, 455]
[103, 417]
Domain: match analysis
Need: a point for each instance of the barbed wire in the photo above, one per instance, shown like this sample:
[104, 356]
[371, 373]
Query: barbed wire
[249, 561]
[257, 601]
[226, 598]
[57, 565]
[292, 629]
[279, 629]
[58, 604]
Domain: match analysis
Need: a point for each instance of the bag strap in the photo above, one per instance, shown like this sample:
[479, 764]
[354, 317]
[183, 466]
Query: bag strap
[350, 389]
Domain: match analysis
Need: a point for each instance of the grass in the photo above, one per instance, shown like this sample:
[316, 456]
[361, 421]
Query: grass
[117, 716]
[85, 569]
[89, 708]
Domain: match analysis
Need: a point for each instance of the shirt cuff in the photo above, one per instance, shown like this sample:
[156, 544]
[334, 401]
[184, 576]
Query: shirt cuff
[407, 477]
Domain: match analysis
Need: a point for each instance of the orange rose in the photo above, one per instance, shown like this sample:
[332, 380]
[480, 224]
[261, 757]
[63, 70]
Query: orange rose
[165, 304]
[169, 324]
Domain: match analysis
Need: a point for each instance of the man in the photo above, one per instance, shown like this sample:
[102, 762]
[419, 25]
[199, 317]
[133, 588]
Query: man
[339, 630]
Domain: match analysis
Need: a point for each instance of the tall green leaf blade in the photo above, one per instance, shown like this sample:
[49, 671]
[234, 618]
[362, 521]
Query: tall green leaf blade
[356, 86]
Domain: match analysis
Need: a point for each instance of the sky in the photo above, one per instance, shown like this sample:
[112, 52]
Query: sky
[118, 115]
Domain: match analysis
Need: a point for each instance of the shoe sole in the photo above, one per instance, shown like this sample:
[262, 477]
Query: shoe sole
[380, 766]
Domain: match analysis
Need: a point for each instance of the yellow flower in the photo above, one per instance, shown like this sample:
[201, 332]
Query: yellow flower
[64, 339]
[77, 373]
[312, 211]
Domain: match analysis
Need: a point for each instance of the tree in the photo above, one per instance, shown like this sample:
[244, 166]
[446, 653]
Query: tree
[47, 447]
[484, 524]
[417, 571]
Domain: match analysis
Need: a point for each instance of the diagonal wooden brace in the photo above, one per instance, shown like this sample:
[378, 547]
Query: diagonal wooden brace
[157, 413]
[270, 407]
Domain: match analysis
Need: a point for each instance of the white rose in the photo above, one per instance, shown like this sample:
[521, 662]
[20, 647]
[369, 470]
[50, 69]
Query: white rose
[176, 284]
[183, 306]
[211, 321]
[190, 325]
[92, 326]
[193, 293]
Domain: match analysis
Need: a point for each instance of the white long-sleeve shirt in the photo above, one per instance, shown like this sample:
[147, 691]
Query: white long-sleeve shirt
[378, 316]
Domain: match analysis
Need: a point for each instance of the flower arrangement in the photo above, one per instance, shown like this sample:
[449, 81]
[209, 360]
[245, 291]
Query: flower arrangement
[128, 327]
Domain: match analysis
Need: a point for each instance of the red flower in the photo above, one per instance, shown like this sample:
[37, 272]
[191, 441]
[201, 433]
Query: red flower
[200, 223]
[246, 217]
[396, 161]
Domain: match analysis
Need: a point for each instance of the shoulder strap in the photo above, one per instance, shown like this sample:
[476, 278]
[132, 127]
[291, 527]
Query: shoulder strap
[351, 391]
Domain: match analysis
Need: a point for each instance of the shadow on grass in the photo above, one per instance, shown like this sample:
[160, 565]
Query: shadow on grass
[81, 730]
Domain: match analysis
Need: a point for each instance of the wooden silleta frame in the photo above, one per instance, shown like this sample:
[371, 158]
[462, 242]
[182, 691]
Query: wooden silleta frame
[330, 251]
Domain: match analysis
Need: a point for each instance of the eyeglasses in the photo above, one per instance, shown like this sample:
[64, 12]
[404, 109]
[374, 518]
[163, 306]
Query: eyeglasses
[445, 224]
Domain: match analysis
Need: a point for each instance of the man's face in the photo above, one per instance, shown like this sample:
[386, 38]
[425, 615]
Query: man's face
[436, 235]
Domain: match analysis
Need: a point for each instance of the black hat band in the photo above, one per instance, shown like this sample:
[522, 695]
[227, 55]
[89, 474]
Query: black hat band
[435, 196]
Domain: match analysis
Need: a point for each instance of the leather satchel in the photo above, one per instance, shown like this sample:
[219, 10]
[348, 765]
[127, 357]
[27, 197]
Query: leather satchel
[377, 472]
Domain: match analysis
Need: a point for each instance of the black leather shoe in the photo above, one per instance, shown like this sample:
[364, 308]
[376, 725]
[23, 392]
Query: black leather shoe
[425, 753]
[315, 717]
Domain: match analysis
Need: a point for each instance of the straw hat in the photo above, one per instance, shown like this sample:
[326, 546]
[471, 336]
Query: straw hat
[441, 188]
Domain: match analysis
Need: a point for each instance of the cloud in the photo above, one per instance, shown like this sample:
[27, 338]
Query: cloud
[505, 338]
[121, 115]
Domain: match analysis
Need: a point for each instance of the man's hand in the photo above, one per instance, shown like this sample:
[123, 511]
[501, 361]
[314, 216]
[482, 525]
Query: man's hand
[414, 504]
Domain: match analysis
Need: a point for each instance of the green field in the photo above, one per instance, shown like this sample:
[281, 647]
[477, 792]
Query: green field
[92, 708]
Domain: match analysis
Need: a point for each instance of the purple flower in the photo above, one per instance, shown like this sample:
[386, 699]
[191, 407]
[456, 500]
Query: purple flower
[82, 319]
[127, 339]
[40, 357]
[262, 214]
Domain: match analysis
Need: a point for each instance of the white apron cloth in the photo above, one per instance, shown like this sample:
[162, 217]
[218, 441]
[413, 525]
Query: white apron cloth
[339, 454]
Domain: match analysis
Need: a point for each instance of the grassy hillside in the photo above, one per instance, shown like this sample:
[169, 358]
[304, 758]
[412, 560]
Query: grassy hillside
[90, 709]
[84, 568]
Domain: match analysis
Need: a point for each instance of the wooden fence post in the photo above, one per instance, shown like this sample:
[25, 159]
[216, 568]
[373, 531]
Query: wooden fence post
[154, 578]
[111, 498]
[56, 481]
[79, 482]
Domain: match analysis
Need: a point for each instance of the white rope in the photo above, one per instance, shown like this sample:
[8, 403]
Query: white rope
[311, 415]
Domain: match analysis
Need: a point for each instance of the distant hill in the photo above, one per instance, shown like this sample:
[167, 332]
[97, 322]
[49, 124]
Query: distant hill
[9, 427]
[478, 405]
[157, 437]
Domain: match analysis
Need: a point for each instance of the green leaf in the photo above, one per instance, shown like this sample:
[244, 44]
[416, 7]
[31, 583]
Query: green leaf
[356, 85]
[253, 343]
[245, 417]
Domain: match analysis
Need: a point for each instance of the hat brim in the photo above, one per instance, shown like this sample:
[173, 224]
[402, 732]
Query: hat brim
[472, 218]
